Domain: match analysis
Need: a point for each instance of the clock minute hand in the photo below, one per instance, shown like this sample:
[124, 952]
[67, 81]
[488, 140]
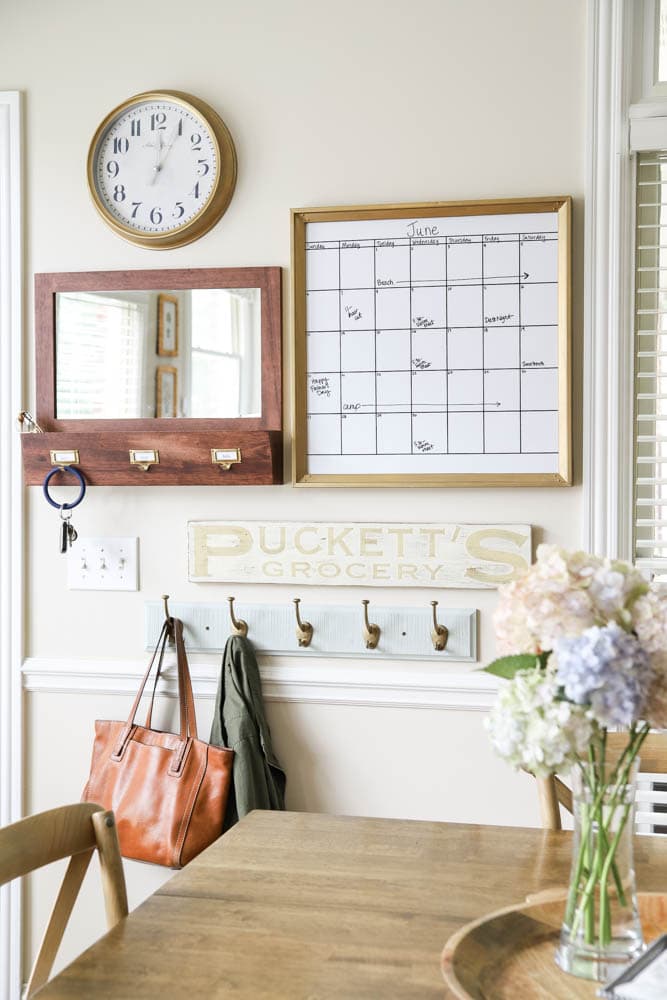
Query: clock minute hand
[167, 146]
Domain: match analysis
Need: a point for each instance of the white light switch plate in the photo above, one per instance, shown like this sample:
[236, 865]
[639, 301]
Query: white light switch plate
[103, 564]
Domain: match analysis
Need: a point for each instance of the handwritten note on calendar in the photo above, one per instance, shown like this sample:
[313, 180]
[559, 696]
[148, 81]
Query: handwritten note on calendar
[434, 344]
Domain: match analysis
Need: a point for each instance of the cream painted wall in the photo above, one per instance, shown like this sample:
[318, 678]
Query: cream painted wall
[348, 103]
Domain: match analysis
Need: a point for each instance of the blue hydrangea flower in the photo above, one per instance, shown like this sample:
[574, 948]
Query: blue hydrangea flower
[608, 669]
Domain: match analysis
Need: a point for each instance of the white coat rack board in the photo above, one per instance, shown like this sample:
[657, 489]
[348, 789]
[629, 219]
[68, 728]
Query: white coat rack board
[432, 344]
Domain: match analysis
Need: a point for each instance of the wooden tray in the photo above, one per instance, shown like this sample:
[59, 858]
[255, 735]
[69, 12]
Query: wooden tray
[510, 953]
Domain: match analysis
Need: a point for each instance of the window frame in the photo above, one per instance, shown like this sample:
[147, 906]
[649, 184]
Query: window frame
[623, 105]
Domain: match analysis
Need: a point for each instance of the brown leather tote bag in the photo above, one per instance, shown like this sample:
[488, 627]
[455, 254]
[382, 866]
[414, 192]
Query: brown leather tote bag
[168, 790]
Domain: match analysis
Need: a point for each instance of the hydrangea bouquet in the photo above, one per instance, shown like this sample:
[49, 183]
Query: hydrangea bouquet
[583, 644]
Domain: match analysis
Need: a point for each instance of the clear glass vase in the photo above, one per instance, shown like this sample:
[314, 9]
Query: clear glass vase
[601, 931]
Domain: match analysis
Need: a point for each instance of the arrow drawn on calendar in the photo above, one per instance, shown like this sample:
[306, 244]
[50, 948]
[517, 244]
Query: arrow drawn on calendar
[488, 279]
[416, 407]
[485, 403]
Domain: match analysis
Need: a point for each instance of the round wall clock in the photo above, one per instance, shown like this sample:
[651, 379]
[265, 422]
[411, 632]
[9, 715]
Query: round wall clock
[162, 169]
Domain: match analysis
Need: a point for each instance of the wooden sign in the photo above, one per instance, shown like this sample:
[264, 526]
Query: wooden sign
[352, 554]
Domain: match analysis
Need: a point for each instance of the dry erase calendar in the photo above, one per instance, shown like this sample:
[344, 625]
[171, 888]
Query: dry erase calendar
[432, 344]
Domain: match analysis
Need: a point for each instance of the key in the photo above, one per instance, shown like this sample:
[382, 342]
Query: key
[68, 533]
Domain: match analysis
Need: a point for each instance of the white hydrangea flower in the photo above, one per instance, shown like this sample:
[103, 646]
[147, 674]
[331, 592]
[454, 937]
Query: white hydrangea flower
[533, 730]
[548, 601]
[560, 596]
[614, 588]
[649, 621]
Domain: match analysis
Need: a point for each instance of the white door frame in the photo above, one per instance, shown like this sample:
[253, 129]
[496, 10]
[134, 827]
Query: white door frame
[11, 520]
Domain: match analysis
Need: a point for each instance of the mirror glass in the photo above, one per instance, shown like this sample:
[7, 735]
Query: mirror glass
[124, 354]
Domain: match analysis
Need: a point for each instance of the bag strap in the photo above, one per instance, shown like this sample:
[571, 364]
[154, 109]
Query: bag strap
[161, 646]
[186, 698]
[188, 718]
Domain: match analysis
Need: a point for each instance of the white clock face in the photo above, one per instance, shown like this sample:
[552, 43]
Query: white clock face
[155, 166]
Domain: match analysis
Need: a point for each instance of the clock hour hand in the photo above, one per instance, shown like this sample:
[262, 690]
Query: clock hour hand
[157, 145]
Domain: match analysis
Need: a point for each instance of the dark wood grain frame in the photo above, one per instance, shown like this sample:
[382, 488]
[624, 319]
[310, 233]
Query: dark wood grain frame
[184, 444]
[267, 279]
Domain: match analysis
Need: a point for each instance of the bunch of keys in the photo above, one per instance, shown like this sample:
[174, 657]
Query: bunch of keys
[68, 534]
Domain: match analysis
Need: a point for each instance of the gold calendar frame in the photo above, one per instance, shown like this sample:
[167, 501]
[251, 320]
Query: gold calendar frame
[302, 475]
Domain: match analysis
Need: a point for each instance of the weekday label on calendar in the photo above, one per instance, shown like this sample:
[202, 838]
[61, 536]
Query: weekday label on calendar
[353, 554]
[432, 345]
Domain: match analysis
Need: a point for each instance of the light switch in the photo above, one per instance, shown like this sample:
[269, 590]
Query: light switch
[103, 564]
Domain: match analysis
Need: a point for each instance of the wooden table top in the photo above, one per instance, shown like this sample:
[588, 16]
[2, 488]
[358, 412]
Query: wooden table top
[310, 907]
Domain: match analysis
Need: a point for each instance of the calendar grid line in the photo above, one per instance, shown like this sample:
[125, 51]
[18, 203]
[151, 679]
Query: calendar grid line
[375, 347]
[490, 281]
[435, 329]
[412, 419]
[446, 354]
[543, 236]
[483, 366]
[431, 371]
[452, 408]
[340, 343]
[520, 345]
[455, 454]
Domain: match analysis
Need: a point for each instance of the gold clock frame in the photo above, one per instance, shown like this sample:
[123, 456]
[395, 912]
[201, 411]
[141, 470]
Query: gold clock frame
[222, 192]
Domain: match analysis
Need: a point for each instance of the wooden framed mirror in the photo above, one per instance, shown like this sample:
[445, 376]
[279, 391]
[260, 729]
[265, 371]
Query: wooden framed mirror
[183, 363]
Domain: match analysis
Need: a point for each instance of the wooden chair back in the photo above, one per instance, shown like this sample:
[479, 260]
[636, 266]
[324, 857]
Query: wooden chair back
[74, 831]
[554, 793]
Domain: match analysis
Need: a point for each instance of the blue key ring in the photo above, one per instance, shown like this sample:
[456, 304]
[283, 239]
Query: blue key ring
[79, 476]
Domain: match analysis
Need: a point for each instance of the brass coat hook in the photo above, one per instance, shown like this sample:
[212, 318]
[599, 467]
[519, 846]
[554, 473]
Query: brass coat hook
[371, 631]
[304, 630]
[167, 615]
[439, 633]
[239, 627]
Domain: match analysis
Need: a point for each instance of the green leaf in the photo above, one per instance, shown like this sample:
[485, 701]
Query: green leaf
[543, 657]
[508, 666]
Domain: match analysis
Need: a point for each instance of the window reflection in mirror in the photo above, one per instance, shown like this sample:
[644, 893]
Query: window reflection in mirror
[129, 354]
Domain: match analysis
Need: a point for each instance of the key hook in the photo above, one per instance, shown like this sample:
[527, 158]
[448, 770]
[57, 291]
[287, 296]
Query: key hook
[371, 631]
[239, 627]
[439, 633]
[304, 630]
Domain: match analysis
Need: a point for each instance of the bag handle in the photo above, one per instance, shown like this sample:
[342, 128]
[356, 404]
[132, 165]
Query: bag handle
[189, 723]
[188, 718]
[185, 695]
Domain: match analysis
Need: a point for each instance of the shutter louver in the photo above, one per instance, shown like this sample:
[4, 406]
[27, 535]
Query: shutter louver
[650, 374]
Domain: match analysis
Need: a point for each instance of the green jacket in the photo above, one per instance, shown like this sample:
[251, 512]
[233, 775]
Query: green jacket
[239, 722]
